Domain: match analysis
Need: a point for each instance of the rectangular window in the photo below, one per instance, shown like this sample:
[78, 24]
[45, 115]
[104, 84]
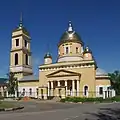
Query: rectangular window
[100, 90]
[76, 49]
[66, 50]
[17, 42]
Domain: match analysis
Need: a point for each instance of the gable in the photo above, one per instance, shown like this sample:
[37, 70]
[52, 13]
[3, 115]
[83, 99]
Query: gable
[62, 73]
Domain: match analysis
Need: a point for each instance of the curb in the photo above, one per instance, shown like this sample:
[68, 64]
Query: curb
[89, 102]
[10, 109]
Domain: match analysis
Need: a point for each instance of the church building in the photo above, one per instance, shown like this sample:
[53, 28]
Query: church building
[75, 73]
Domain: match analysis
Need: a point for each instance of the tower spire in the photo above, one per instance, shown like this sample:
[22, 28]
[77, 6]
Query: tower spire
[70, 28]
[21, 21]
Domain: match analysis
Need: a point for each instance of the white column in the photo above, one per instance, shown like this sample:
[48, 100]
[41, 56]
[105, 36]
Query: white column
[73, 87]
[78, 87]
[66, 87]
[2, 91]
[48, 88]
[51, 88]
[15, 93]
[58, 83]
[7, 94]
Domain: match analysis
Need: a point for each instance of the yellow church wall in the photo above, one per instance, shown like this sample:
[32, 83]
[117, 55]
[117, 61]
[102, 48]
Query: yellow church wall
[43, 78]
[87, 77]
[72, 46]
[61, 50]
[27, 84]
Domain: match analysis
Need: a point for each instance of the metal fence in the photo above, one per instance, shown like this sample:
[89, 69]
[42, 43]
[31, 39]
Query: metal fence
[104, 94]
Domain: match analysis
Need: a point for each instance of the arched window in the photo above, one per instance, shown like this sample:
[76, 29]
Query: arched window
[86, 90]
[26, 59]
[16, 58]
[66, 50]
[76, 49]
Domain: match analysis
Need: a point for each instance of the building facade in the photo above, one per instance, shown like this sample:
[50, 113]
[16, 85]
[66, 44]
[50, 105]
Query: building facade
[3, 87]
[21, 62]
[75, 73]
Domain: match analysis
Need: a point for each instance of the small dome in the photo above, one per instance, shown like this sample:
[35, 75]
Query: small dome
[70, 36]
[48, 55]
[100, 72]
[87, 50]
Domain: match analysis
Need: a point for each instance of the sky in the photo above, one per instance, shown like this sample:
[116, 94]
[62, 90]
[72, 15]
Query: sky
[96, 21]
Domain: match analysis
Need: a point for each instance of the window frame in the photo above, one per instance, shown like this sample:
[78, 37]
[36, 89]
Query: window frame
[77, 50]
[100, 91]
[16, 59]
[67, 50]
[17, 42]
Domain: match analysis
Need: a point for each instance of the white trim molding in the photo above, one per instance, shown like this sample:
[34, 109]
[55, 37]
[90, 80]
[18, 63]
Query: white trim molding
[20, 69]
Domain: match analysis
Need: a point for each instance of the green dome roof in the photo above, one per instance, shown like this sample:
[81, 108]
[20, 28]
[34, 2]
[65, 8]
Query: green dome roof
[21, 27]
[87, 50]
[47, 55]
[70, 36]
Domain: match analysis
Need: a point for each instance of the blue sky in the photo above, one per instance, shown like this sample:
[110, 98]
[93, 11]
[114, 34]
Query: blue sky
[96, 21]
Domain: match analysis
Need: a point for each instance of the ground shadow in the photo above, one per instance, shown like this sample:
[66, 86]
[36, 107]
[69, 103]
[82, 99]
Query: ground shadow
[106, 114]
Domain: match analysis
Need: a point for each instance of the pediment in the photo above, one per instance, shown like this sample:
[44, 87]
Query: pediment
[62, 73]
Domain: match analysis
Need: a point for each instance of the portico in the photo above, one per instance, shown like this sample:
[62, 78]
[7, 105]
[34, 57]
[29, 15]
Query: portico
[68, 80]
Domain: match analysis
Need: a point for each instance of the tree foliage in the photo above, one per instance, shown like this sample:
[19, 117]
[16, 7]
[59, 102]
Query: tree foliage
[12, 85]
[115, 81]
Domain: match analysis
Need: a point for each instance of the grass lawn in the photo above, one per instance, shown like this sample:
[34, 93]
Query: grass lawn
[6, 104]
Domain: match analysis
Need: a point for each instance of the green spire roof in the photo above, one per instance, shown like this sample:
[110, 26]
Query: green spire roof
[48, 55]
[21, 27]
[87, 50]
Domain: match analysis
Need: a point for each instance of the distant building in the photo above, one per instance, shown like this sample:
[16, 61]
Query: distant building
[75, 72]
[3, 87]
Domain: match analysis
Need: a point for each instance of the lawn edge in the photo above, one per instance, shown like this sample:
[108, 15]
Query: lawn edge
[11, 109]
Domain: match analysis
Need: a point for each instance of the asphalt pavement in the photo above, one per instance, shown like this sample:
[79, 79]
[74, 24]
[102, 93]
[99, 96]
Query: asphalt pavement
[35, 110]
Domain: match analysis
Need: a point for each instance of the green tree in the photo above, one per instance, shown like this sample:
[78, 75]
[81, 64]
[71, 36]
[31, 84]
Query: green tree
[115, 81]
[12, 85]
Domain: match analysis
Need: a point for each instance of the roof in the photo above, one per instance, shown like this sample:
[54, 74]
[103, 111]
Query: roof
[101, 72]
[70, 36]
[29, 78]
[87, 50]
[48, 55]
[24, 30]
[21, 27]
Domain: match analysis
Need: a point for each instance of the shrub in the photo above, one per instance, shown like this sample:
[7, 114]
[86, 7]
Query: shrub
[1, 97]
[78, 99]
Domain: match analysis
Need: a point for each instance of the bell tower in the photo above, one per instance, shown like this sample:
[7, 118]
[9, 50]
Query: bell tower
[20, 54]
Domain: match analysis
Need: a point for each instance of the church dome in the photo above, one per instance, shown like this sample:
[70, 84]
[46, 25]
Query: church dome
[48, 55]
[87, 50]
[70, 36]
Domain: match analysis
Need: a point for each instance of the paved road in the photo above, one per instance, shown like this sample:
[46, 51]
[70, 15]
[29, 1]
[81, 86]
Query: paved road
[60, 111]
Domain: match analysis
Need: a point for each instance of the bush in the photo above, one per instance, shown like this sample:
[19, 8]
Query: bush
[1, 97]
[78, 99]
[97, 99]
